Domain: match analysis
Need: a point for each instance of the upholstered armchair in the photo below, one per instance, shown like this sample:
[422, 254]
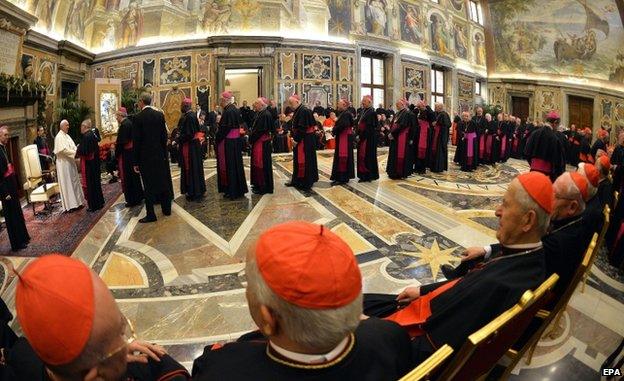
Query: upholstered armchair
[37, 190]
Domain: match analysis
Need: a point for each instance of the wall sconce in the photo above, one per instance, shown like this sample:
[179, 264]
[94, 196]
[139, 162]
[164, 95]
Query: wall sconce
[227, 82]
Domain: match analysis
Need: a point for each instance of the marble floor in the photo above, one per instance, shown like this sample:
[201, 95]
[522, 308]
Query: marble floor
[181, 280]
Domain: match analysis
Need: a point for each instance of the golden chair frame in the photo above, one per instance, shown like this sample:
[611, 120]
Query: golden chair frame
[423, 371]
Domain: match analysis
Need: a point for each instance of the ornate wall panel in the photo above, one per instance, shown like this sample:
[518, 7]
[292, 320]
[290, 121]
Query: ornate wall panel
[414, 82]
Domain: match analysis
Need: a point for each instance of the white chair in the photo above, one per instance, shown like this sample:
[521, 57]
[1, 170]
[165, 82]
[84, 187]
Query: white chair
[37, 190]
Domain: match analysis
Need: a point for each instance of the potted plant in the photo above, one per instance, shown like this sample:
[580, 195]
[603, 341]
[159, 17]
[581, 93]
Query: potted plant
[75, 111]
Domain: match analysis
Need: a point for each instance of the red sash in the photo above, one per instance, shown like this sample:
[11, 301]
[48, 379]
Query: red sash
[481, 146]
[423, 134]
[454, 133]
[44, 151]
[401, 140]
[418, 311]
[488, 146]
[343, 149]
[10, 171]
[128, 145]
[362, 156]
[201, 136]
[361, 127]
[503, 146]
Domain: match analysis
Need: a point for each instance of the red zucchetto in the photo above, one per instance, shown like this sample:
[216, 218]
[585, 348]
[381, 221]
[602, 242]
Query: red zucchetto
[539, 188]
[56, 306]
[308, 265]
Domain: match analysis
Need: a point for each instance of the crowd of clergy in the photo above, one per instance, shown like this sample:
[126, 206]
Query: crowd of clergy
[304, 285]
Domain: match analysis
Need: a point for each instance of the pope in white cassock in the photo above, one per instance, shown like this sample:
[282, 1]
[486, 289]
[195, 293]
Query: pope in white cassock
[67, 173]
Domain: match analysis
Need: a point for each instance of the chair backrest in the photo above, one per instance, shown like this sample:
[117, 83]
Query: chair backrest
[485, 347]
[32, 165]
[616, 198]
[427, 368]
[600, 241]
[578, 276]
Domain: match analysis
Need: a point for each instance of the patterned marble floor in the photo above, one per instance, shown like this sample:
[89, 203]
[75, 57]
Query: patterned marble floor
[181, 279]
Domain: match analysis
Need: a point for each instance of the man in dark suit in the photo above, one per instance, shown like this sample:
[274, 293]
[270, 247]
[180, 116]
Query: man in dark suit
[149, 137]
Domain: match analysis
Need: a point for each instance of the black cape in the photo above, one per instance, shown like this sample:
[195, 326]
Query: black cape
[149, 140]
[12, 209]
[402, 136]
[44, 150]
[130, 180]
[439, 142]
[381, 351]
[89, 152]
[260, 140]
[474, 301]
[230, 170]
[367, 166]
[543, 144]
[305, 167]
[342, 127]
[192, 181]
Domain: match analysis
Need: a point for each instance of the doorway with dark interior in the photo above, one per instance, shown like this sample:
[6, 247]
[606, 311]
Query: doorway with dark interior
[581, 111]
[520, 107]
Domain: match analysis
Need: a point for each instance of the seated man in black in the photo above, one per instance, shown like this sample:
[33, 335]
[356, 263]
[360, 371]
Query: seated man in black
[74, 330]
[448, 312]
[565, 244]
[304, 291]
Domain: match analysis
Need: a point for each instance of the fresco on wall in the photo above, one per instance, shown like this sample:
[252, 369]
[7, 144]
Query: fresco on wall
[131, 25]
[439, 34]
[43, 9]
[47, 76]
[479, 49]
[411, 23]
[460, 38]
[172, 105]
[340, 17]
[579, 38]
[148, 72]
[216, 16]
[74, 28]
[314, 93]
[376, 17]
[28, 66]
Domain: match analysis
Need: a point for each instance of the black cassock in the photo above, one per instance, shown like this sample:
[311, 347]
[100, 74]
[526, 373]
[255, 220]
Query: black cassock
[439, 142]
[343, 167]
[460, 127]
[229, 146]
[468, 146]
[475, 300]
[13, 215]
[422, 149]
[481, 124]
[130, 180]
[261, 163]
[367, 166]
[377, 350]
[544, 153]
[42, 147]
[598, 145]
[305, 168]
[574, 148]
[192, 181]
[495, 149]
[89, 153]
[149, 141]
[401, 152]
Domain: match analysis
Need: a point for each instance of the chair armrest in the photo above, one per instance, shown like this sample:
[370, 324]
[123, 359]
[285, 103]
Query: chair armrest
[542, 314]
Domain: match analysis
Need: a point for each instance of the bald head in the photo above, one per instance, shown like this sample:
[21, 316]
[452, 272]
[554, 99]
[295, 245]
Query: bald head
[439, 107]
[259, 105]
[294, 102]
[568, 198]
[4, 135]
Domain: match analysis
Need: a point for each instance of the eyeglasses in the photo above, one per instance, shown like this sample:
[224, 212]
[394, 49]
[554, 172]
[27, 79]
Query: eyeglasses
[129, 336]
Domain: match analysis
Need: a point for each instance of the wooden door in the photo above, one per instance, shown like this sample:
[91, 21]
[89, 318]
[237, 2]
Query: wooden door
[520, 107]
[581, 111]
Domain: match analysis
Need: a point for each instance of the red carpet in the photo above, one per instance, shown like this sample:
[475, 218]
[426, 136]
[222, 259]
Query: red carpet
[58, 232]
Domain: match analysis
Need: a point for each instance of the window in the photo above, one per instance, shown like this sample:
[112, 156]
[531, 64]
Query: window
[373, 79]
[437, 86]
[476, 14]
[477, 88]
[435, 1]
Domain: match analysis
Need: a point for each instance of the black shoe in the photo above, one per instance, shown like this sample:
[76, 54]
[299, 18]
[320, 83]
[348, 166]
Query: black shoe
[448, 271]
[129, 205]
[21, 247]
[146, 220]
[335, 182]
[166, 213]
[289, 184]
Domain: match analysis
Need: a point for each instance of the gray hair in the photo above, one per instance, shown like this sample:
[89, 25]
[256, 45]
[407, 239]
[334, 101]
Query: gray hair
[64, 121]
[86, 122]
[146, 98]
[527, 203]
[568, 189]
[307, 327]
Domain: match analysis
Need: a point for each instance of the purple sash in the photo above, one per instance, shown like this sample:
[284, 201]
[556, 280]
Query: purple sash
[233, 134]
[422, 138]
[503, 146]
[436, 137]
[481, 146]
[257, 160]
[470, 137]
[362, 157]
[221, 162]
[343, 149]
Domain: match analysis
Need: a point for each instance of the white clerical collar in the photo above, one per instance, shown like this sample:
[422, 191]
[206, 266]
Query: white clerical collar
[312, 359]
[533, 245]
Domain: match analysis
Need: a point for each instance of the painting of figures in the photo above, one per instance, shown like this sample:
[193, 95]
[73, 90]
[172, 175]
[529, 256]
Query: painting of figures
[340, 17]
[579, 38]
[439, 34]
[411, 23]
[376, 17]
